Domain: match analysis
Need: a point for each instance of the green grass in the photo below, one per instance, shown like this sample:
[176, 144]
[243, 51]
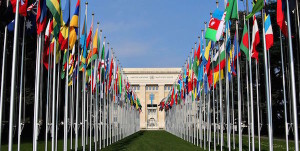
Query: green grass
[152, 141]
[157, 141]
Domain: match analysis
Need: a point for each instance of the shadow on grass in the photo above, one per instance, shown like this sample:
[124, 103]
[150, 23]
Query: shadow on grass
[122, 144]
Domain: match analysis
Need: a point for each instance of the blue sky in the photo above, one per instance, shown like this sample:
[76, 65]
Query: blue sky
[150, 33]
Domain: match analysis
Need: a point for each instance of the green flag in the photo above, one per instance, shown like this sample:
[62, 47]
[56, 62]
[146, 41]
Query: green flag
[258, 6]
[231, 10]
[244, 46]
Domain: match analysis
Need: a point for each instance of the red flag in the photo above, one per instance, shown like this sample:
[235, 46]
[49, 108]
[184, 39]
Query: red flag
[281, 19]
[22, 6]
[255, 39]
[41, 16]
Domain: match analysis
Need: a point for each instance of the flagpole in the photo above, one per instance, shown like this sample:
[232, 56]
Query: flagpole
[84, 97]
[13, 76]
[269, 105]
[77, 80]
[2, 77]
[53, 97]
[214, 112]
[57, 103]
[47, 103]
[239, 94]
[20, 125]
[284, 95]
[66, 92]
[227, 96]
[292, 74]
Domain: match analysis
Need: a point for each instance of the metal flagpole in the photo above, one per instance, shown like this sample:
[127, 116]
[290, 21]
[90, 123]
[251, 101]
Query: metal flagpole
[292, 74]
[37, 89]
[66, 93]
[57, 103]
[20, 125]
[227, 97]
[258, 112]
[77, 82]
[269, 105]
[53, 96]
[13, 76]
[284, 95]
[221, 103]
[107, 111]
[84, 127]
[2, 76]
[47, 102]
[214, 112]
[232, 104]
[239, 94]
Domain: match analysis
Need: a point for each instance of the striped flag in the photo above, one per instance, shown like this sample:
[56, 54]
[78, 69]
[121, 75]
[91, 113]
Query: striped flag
[255, 39]
[54, 7]
[269, 32]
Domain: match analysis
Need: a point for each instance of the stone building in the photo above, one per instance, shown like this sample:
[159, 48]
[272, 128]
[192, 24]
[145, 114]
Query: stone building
[151, 86]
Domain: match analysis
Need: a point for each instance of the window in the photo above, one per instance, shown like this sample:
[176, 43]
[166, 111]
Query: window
[156, 87]
[146, 87]
[138, 87]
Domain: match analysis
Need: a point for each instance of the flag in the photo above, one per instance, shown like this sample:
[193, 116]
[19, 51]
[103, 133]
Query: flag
[281, 18]
[258, 6]
[269, 32]
[74, 25]
[22, 6]
[83, 46]
[54, 8]
[66, 14]
[64, 31]
[245, 42]
[93, 54]
[219, 59]
[107, 62]
[255, 39]
[41, 17]
[102, 62]
[88, 40]
[231, 10]
[215, 26]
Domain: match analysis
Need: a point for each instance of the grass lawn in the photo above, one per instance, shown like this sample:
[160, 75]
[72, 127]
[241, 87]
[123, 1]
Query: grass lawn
[156, 141]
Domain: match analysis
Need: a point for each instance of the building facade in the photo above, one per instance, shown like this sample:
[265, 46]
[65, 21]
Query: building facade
[151, 86]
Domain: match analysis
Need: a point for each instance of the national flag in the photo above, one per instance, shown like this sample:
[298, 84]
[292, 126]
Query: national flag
[66, 14]
[83, 46]
[74, 25]
[107, 63]
[102, 63]
[88, 40]
[22, 6]
[281, 18]
[258, 6]
[255, 39]
[269, 32]
[231, 10]
[215, 26]
[55, 9]
[46, 52]
[41, 17]
[30, 7]
[64, 31]
[93, 54]
[245, 42]
[219, 59]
